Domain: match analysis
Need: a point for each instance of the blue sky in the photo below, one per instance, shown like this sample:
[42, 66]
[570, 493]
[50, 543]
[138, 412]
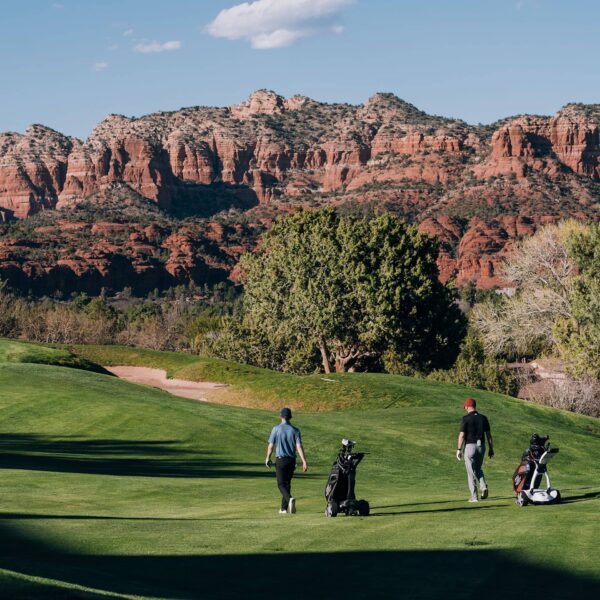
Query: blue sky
[69, 63]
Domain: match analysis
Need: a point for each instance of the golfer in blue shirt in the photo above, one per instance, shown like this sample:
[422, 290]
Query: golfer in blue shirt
[286, 440]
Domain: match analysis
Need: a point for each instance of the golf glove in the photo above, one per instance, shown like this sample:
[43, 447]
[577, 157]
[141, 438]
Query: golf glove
[268, 463]
[459, 454]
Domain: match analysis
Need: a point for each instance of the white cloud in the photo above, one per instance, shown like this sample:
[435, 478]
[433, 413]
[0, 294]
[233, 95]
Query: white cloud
[276, 39]
[101, 66]
[153, 47]
[270, 24]
[128, 32]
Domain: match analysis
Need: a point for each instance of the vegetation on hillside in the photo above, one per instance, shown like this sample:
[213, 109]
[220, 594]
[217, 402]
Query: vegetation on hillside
[554, 313]
[182, 319]
[333, 291]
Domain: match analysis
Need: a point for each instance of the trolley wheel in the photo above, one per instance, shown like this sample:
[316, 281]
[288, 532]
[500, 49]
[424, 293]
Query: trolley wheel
[363, 508]
[558, 498]
[521, 499]
[332, 509]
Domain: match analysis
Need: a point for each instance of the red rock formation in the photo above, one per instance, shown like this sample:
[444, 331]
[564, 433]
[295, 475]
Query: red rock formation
[277, 152]
[32, 169]
[265, 142]
[543, 144]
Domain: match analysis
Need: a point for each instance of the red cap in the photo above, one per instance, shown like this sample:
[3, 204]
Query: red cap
[469, 402]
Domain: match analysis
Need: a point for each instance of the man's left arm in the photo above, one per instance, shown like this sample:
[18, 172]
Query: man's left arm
[300, 449]
[490, 441]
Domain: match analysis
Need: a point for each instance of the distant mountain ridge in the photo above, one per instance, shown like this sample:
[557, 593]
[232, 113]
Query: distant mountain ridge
[476, 187]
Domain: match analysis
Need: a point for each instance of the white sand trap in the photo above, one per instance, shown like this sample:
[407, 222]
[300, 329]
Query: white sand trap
[194, 390]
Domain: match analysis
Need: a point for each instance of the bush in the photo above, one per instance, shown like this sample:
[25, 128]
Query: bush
[575, 395]
[473, 368]
[163, 324]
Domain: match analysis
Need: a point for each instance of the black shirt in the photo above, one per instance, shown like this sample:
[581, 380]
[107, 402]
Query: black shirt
[474, 426]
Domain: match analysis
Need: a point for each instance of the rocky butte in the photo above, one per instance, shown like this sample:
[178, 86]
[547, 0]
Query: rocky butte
[174, 197]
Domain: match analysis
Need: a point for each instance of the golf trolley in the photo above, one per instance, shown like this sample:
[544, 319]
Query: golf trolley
[339, 492]
[528, 476]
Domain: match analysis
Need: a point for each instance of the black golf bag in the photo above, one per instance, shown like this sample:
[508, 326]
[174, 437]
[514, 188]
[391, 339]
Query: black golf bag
[533, 468]
[339, 491]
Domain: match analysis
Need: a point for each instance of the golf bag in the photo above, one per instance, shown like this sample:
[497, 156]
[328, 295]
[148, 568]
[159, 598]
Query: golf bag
[339, 491]
[529, 474]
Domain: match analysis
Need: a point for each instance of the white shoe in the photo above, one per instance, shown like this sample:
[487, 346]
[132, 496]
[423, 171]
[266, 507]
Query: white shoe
[484, 493]
[473, 499]
[283, 512]
[292, 505]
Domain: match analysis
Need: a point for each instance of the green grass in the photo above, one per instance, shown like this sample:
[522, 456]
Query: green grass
[111, 488]
[20, 352]
[261, 388]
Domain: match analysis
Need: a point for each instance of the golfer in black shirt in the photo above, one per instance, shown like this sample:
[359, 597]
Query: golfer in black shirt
[473, 428]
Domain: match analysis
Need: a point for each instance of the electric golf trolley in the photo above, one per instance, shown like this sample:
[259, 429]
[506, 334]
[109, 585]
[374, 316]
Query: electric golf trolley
[339, 492]
[528, 477]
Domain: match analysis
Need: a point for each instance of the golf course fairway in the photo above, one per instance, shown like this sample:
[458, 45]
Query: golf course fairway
[111, 489]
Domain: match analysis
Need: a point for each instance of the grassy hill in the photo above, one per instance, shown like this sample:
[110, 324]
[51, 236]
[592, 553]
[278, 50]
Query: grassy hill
[261, 388]
[109, 488]
[20, 352]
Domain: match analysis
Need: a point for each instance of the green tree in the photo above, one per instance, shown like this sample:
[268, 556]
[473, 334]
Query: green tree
[99, 308]
[347, 290]
[579, 336]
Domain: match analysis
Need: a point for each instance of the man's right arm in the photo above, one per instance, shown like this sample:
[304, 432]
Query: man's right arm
[459, 445]
[461, 440]
[268, 462]
[272, 439]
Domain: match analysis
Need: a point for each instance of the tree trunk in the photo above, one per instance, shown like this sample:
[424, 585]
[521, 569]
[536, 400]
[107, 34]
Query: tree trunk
[325, 356]
[345, 358]
[344, 364]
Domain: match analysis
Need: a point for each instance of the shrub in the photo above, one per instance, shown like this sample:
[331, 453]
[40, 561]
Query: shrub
[473, 368]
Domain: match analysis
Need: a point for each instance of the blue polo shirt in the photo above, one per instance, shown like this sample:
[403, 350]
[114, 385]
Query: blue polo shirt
[285, 437]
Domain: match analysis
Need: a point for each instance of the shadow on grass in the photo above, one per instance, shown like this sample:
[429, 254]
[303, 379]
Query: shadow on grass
[448, 574]
[581, 497]
[145, 458]
[478, 506]
[568, 498]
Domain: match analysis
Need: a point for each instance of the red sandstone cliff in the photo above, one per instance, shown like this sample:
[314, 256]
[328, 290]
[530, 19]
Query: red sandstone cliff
[476, 188]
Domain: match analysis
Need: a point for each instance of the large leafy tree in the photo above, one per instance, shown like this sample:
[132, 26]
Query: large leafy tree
[344, 291]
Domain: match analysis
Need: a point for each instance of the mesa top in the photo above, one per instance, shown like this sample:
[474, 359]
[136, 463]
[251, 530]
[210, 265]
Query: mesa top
[285, 437]
[474, 426]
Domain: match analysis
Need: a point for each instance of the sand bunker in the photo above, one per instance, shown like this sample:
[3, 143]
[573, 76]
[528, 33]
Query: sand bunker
[194, 390]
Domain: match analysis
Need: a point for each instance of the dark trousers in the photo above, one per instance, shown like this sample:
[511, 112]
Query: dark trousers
[284, 468]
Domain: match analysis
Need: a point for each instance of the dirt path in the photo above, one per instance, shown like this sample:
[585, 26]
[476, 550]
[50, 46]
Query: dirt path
[158, 378]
